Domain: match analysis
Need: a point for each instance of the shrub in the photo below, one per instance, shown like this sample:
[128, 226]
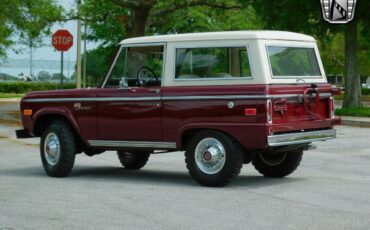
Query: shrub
[365, 91]
[358, 112]
[25, 87]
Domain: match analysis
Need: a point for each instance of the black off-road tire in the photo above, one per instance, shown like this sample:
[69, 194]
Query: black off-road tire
[281, 168]
[133, 160]
[67, 143]
[230, 169]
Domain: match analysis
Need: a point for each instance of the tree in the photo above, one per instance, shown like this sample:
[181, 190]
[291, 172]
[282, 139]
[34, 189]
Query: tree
[57, 76]
[132, 18]
[103, 17]
[333, 55]
[305, 16]
[24, 21]
[97, 64]
[201, 19]
[44, 76]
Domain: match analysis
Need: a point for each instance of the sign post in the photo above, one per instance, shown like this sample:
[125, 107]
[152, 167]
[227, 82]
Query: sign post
[62, 40]
[61, 69]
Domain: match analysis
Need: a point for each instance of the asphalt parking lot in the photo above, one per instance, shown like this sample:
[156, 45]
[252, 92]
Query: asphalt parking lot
[330, 190]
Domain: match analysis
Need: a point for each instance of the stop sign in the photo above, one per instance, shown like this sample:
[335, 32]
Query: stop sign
[62, 40]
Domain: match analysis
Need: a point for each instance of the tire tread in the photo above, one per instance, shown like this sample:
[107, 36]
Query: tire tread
[68, 149]
[222, 179]
[288, 166]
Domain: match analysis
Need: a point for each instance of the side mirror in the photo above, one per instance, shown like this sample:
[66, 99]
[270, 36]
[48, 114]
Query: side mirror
[123, 83]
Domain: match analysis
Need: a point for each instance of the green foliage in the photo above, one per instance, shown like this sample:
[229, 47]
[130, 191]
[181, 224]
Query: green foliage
[25, 21]
[364, 97]
[11, 95]
[98, 63]
[25, 87]
[7, 77]
[106, 21]
[365, 91]
[164, 17]
[299, 16]
[357, 112]
[205, 19]
[332, 54]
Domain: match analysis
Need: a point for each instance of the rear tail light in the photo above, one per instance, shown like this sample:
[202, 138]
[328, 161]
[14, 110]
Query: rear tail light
[269, 111]
[331, 107]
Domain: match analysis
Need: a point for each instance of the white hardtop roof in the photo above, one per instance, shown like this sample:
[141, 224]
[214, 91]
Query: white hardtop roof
[230, 35]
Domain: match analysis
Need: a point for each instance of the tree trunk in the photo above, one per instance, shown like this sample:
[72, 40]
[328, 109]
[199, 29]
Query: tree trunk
[138, 25]
[352, 96]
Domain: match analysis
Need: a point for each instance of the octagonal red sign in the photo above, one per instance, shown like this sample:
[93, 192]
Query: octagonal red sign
[62, 40]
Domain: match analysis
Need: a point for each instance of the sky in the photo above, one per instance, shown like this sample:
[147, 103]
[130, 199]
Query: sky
[48, 52]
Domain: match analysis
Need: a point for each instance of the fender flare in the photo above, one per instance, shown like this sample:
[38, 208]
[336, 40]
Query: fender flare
[62, 111]
[202, 125]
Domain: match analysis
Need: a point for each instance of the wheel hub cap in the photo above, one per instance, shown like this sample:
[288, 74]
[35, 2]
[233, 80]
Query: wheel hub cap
[210, 155]
[52, 149]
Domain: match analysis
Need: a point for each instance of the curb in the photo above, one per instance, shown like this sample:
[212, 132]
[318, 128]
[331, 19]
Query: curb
[10, 99]
[356, 121]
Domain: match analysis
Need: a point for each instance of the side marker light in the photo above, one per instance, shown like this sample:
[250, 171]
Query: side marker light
[27, 112]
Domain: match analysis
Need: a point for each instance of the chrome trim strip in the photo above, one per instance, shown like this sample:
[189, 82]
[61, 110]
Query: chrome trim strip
[174, 98]
[226, 97]
[300, 138]
[235, 97]
[128, 98]
[141, 144]
[58, 99]
[77, 99]
[322, 95]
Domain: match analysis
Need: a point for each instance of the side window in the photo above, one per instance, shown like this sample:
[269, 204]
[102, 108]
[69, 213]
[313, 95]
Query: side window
[137, 66]
[212, 62]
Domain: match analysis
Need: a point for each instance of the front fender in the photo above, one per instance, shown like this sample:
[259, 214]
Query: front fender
[50, 111]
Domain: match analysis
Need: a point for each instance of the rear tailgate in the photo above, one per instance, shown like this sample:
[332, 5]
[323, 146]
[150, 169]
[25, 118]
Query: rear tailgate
[301, 103]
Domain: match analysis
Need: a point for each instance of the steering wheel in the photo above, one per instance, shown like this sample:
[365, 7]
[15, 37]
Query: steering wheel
[147, 72]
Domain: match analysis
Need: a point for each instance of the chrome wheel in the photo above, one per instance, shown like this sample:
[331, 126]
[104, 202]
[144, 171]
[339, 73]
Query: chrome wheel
[52, 149]
[273, 159]
[210, 155]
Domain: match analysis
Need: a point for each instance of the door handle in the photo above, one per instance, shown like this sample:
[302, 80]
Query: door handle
[155, 90]
[127, 89]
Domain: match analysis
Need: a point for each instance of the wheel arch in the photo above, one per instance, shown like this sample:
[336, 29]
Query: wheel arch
[187, 133]
[43, 120]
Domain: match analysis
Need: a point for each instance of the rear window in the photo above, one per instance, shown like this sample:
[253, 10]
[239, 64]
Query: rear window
[212, 62]
[290, 62]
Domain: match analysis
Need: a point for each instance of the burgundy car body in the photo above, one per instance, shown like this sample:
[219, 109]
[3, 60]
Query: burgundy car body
[162, 117]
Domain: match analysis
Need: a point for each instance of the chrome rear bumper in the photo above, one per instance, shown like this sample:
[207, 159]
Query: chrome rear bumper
[300, 138]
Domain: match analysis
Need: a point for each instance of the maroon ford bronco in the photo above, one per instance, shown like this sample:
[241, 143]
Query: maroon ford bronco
[225, 98]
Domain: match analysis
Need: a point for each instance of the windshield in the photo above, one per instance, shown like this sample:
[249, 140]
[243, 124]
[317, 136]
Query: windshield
[291, 62]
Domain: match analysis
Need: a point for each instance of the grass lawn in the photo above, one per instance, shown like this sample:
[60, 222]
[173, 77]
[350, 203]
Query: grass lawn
[357, 112]
[363, 98]
[11, 95]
